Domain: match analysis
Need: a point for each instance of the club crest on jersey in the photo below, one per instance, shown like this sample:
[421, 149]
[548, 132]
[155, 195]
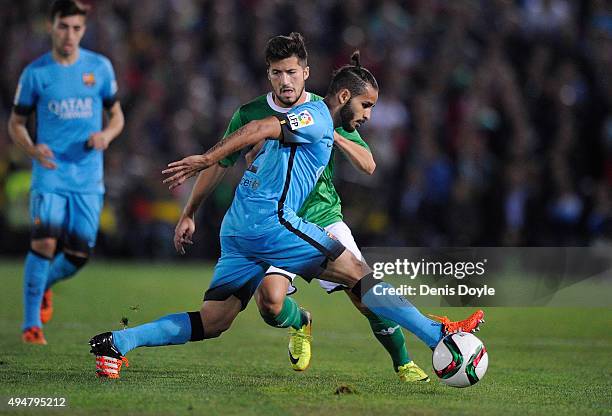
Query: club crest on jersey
[302, 119]
[89, 79]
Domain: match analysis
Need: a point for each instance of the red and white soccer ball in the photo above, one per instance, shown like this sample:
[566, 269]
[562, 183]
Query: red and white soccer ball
[460, 359]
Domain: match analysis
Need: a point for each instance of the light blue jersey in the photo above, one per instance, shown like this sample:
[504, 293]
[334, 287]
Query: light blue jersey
[283, 174]
[261, 228]
[68, 100]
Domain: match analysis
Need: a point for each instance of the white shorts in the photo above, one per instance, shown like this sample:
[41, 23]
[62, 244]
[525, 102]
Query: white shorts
[343, 233]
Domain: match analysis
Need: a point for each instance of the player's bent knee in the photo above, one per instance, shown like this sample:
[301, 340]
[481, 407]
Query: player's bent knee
[269, 305]
[271, 294]
[44, 246]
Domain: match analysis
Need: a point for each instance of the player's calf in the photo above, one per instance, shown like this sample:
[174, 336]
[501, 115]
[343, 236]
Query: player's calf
[270, 295]
[216, 317]
[63, 266]
[347, 270]
[110, 348]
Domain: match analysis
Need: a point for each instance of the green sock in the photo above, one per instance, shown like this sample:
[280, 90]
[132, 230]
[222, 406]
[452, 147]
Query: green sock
[290, 316]
[390, 335]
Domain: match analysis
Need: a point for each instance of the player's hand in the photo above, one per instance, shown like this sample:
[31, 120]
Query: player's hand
[184, 169]
[183, 233]
[251, 154]
[98, 141]
[43, 154]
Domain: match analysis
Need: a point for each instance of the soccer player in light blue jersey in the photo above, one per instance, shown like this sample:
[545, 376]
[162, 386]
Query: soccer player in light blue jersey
[67, 88]
[262, 227]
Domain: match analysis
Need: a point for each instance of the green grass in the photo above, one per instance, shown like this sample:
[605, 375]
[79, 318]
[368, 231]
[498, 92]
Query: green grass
[542, 360]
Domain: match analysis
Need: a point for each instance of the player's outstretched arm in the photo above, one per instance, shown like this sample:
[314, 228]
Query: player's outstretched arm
[102, 139]
[205, 184]
[249, 134]
[19, 134]
[360, 157]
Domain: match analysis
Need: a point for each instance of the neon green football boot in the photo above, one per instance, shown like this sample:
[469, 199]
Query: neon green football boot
[299, 345]
[411, 373]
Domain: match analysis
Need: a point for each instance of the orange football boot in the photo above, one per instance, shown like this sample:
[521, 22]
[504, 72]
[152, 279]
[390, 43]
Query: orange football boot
[108, 358]
[33, 335]
[471, 324]
[46, 307]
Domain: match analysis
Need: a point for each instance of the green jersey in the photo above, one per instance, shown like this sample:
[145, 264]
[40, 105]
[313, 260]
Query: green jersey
[322, 207]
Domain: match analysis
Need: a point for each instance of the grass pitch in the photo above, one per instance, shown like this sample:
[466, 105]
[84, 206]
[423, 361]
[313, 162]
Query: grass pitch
[541, 360]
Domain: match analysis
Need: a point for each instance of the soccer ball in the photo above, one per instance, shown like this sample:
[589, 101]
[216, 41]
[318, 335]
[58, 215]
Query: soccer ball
[460, 359]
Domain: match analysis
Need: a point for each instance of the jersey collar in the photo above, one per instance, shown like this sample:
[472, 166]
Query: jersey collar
[278, 108]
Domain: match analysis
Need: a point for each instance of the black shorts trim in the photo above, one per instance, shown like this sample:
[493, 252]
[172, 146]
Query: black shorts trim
[286, 276]
[76, 243]
[45, 231]
[40, 255]
[220, 293]
[330, 254]
[109, 102]
[70, 241]
[337, 289]
[23, 110]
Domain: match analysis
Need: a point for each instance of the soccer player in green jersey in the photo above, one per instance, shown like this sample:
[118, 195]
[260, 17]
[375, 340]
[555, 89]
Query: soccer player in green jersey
[286, 59]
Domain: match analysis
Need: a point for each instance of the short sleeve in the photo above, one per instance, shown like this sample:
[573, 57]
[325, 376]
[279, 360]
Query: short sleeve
[26, 95]
[303, 126]
[234, 124]
[353, 136]
[109, 84]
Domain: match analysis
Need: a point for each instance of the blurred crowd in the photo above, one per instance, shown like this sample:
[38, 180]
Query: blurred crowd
[493, 126]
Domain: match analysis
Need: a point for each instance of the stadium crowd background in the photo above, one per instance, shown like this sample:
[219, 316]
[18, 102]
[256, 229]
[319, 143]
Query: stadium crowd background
[494, 124]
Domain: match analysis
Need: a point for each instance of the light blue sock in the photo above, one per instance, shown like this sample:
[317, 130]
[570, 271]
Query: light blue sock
[61, 268]
[168, 330]
[399, 309]
[34, 278]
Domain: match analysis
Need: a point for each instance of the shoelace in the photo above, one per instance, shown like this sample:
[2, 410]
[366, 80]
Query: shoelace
[444, 321]
[300, 338]
[411, 369]
[101, 363]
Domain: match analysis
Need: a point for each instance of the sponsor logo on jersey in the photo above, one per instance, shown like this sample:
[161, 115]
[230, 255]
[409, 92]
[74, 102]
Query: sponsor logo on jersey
[89, 79]
[302, 119]
[71, 108]
[250, 183]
